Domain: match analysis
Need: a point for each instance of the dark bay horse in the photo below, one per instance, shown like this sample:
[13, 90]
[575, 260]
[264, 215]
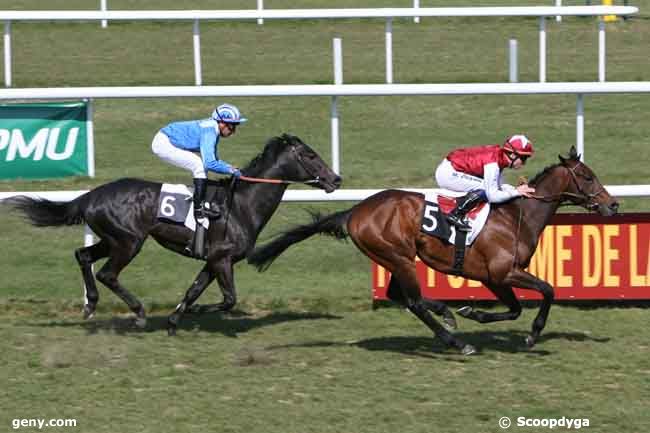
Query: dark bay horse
[386, 228]
[123, 214]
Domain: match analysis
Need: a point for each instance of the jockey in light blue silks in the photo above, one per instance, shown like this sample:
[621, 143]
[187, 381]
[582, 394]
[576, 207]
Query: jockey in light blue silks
[193, 145]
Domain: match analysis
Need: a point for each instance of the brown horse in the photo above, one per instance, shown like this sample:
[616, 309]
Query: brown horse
[386, 228]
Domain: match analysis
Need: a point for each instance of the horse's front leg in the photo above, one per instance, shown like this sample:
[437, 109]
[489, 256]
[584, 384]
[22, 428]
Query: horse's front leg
[506, 296]
[524, 280]
[202, 281]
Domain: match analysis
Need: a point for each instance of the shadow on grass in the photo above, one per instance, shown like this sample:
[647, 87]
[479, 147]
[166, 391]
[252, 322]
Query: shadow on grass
[484, 341]
[229, 324]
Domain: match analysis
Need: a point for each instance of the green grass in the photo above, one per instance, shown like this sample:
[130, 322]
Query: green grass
[307, 371]
[304, 352]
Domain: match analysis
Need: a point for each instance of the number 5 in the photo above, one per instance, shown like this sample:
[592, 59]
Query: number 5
[429, 216]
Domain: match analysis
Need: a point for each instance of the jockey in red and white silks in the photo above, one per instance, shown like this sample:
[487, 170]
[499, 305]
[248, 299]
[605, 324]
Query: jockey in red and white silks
[479, 171]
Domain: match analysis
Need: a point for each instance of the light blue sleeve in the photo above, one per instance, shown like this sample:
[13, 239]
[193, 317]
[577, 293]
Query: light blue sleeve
[211, 161]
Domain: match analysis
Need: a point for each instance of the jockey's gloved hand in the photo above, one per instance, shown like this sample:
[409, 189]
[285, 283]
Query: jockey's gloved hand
[236, 173]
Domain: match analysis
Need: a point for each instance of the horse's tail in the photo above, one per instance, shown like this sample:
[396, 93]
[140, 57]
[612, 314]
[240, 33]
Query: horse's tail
[45, 213]
[334, 225]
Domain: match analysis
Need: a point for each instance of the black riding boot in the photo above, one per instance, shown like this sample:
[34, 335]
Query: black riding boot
[464, 204]
[197, 247]
[200, 208]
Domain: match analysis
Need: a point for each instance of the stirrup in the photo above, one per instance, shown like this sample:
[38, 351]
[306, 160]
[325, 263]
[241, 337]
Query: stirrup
[206, 212]
[458, 223]
[189, 251]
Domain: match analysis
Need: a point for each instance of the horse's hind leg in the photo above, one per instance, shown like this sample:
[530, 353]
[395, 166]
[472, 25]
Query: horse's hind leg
[86, 256]
[396, 294]
[440, 309]
[505, 295]
[120, 256]
[407, 279]
[202, 281]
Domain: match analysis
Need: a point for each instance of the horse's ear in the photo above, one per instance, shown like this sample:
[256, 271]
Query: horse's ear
[573, 156]
[573, 153]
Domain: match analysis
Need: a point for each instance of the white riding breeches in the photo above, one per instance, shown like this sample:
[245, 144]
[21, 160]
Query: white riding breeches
[166, 151]
[447, 177]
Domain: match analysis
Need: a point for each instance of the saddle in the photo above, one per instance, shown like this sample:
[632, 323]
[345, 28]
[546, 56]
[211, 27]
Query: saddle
[437, 204]
[175, 204]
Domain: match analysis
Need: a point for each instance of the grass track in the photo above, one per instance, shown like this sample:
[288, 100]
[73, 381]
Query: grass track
[296, 371]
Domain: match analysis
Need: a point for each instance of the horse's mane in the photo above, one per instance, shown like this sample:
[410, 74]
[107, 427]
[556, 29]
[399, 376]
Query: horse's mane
[573, 156]
[273, 146]
[542, 173]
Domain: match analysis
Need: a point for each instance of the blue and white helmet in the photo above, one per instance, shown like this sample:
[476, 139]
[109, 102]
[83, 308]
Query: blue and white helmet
[227, 113]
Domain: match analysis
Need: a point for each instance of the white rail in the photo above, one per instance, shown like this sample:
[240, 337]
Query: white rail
[388, 14]
[254, 14]
[316, 195]
[311, 195]
[334, 90]
[329, 90]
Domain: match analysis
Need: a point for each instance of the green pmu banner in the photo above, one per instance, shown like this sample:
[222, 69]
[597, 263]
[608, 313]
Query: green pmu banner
[44, 140]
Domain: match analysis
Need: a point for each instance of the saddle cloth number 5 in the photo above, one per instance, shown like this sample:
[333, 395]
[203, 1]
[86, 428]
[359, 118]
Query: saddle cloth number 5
[429, 220]
[434, 222]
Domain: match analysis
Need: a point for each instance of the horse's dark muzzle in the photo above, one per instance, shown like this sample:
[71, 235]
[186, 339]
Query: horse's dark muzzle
[609, 209]
[334, 184]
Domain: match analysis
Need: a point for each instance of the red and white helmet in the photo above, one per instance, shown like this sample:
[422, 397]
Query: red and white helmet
[519, 144]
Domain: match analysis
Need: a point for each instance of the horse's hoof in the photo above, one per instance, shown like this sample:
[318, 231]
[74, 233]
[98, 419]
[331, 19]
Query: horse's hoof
[530, 341]
[141, 322]
[465, 311]
[450, 322]
[89, 312]
[171, 331]
[467, 350]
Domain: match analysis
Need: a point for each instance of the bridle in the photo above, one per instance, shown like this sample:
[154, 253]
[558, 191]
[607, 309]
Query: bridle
[307, 169]
[582, 198]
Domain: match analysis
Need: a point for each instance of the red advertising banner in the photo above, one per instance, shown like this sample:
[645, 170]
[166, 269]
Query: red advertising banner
[582, 256]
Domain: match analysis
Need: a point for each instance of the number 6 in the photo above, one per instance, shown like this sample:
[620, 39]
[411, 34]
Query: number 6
[167, 206]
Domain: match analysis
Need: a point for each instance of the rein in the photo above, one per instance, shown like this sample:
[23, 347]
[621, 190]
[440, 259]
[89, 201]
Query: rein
[316, 178]
[276, 181]
[516, 244]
